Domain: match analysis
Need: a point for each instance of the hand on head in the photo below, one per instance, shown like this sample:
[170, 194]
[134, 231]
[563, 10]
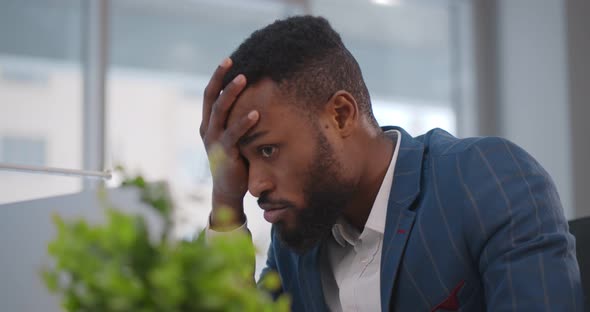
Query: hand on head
[228, 168]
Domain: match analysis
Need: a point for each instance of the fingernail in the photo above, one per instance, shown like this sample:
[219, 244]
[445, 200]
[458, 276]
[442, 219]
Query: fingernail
[253, 115]
[225, 63]
[239, 79]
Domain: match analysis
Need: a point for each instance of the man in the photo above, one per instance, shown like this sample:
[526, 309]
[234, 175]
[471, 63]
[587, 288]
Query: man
[368, 218]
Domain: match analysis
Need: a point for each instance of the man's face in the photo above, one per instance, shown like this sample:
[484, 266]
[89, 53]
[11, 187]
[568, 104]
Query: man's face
[293, 169]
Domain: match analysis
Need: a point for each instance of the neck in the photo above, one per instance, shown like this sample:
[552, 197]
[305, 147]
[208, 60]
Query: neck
[377, 152]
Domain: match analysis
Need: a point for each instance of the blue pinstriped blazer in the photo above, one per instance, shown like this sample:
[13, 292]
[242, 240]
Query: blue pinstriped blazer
[472, 225]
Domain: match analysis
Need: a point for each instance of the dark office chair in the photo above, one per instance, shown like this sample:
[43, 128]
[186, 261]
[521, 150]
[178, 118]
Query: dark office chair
[580, 228]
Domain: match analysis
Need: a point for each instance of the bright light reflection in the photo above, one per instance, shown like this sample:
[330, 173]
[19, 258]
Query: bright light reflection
[386, 2]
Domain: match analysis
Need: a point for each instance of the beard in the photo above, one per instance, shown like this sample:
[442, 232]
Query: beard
[326, 193]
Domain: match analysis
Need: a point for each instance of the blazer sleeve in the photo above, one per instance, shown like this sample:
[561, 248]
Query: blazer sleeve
[517, 230]
[271, 265]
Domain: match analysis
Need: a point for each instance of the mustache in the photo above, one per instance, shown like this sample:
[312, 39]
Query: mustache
[265, 199]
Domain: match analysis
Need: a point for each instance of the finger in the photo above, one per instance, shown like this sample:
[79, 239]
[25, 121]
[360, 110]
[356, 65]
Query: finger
[212, 92]
[224, 102]
[236, 131]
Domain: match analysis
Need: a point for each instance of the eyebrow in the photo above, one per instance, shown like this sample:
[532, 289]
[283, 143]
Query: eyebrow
[248, 139]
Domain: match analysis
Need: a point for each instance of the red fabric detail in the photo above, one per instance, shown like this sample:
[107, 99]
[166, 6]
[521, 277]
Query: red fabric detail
[451, 303]
[401, 231]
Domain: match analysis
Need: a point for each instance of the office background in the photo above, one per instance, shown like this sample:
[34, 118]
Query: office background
[95, 83]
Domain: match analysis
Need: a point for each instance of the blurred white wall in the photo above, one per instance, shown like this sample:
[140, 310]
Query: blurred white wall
[534, 86]
[25, 230]
[40, 101]
[533, 94]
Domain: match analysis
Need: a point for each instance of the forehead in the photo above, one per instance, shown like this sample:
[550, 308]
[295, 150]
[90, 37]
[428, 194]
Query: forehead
[265, 97]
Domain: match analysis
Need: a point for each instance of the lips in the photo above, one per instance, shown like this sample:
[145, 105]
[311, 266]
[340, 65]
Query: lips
[274, 209]
[274, 215]
[273, 212]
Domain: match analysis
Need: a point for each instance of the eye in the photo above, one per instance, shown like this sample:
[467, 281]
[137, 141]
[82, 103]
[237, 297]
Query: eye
[267, 151]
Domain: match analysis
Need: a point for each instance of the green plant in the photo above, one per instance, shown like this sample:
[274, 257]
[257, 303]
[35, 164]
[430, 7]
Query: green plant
[115, 266]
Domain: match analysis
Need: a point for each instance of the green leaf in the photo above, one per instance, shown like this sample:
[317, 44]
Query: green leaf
[115, 266]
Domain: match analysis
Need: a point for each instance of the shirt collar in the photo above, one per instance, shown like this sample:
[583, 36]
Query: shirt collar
[345, 233]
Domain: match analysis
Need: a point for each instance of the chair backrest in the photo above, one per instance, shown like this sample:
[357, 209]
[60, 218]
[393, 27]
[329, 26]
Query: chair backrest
[580, 228]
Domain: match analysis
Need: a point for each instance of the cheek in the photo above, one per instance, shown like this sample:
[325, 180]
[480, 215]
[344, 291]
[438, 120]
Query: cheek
[292, 176]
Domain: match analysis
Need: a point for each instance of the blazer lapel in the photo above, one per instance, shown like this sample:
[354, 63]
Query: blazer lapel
[400, 216]
[311, 281]
[400, 219]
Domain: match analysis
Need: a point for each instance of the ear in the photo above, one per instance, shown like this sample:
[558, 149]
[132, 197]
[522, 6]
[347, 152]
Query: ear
[343, 112]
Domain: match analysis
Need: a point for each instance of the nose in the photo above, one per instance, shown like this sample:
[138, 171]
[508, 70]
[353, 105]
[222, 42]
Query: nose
[258, 182]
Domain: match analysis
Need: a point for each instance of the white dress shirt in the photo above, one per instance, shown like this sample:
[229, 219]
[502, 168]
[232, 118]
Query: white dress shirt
[351, 261]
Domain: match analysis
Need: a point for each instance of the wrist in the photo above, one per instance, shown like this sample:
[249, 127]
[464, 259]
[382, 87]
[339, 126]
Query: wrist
[227, 212]
[225, 220]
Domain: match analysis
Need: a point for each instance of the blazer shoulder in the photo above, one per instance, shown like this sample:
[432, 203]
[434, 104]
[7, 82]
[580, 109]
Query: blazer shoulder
[442, 143]
[494, 153]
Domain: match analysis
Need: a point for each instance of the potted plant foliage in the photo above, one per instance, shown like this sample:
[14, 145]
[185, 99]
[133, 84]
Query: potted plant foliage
[119, 266]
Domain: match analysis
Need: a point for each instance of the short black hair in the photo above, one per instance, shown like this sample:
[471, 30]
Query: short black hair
[305, 55]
